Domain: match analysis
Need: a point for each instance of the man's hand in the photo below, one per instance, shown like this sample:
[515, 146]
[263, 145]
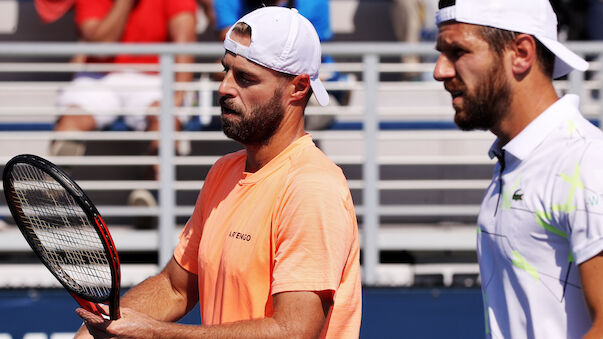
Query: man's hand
[132, 324]
[164, 298]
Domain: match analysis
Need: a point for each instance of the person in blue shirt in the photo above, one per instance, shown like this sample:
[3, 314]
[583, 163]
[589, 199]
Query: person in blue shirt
[227, 12]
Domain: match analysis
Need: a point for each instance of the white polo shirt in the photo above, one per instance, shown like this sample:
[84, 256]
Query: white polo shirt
[546, 220]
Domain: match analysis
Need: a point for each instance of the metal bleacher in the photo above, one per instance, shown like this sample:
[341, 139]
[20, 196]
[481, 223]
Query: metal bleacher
[416, 180]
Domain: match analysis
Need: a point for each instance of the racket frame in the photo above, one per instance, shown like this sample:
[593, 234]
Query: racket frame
[94, 217]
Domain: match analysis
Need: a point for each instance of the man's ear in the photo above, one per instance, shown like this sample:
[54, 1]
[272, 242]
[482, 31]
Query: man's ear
[301, 86]
[523, 55]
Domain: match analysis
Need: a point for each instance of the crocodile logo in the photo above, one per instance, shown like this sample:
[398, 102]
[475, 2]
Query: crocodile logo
[518, 194]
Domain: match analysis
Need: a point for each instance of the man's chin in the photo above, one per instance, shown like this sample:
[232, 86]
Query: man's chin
[463, 126]
[466, 125]
[461, 121]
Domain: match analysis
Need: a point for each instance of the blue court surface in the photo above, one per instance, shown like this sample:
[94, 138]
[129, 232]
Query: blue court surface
[387, 313]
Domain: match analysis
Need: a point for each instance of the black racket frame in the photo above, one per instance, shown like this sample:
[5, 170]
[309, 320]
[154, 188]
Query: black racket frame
[94, 217]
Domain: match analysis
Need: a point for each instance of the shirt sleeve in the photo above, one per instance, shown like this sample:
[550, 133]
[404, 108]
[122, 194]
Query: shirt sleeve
[175, 7]
[186, 252]
[227, 12]
[585, 198]
[86, 10]
[318, 13]
[314, 235]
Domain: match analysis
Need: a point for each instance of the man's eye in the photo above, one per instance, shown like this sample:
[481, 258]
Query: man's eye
[244, 80]
[458, 52]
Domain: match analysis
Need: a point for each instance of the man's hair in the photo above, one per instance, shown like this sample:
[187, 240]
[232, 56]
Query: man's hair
[499, 39]
[446, 3]
[242, 28]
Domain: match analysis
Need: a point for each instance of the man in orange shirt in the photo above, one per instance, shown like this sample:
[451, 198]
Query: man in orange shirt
[271, 249]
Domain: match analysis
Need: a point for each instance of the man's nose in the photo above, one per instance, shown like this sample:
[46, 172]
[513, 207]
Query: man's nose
[444, 69]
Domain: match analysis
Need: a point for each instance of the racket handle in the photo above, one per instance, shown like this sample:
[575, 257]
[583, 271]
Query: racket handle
[95, 308]
[114, 313]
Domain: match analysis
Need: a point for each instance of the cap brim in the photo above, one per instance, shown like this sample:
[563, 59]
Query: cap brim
[319, 92]
[565, 60]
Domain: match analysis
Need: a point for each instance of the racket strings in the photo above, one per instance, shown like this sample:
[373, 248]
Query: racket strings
[62, 231]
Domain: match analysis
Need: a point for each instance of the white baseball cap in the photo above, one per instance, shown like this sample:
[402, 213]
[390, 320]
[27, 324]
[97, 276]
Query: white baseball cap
[534, 17]
[285, 41]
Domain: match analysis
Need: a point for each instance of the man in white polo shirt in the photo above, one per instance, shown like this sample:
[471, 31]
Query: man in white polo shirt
[540, 226]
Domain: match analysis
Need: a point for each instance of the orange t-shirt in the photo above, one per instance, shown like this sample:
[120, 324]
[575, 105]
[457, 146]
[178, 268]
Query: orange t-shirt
[290, 226]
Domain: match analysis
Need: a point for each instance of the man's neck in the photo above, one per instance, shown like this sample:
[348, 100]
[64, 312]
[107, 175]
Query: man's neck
[528, 101]
[258, 155]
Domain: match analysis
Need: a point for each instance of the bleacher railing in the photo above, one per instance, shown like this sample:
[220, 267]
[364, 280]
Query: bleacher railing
[394, 111]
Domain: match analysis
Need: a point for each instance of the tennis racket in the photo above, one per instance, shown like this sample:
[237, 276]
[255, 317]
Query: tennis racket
[65, 230]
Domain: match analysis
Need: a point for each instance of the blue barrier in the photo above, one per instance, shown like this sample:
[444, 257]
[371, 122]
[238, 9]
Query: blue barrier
[337, 126]
[386, 313]
[28, 126]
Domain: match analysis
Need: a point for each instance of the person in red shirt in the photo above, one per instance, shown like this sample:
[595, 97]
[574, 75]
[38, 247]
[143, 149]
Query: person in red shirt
[120, 100]
[127, 21]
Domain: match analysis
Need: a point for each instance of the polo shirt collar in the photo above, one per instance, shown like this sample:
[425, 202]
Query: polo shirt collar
[532, 135]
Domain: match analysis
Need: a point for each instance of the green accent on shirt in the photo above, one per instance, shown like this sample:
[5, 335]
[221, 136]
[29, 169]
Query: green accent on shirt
[575, 183]
[520, 262]
[572, 127]
[508, 194]
[542, 217]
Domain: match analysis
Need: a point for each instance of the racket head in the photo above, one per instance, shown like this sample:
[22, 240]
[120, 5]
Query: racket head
[64, 229]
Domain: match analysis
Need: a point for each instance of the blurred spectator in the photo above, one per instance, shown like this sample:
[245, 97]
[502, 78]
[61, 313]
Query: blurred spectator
[571, 21]
[317, 11]
[412, 23]
[52, 10]
[208, 9]
[594, 19]
[407, 19]
[96, 101]
[579, 19]
[227, 12]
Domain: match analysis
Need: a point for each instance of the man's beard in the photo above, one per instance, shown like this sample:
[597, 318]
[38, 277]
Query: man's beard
[256, 126]
[485, 108]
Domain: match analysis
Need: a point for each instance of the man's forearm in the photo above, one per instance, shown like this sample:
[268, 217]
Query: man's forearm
[261, 328]
[156, 298]
[596, 332]
[591, 273]
[296, 315]
[166, 296]
[182, 30]
[182, 77]
[111, 27]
